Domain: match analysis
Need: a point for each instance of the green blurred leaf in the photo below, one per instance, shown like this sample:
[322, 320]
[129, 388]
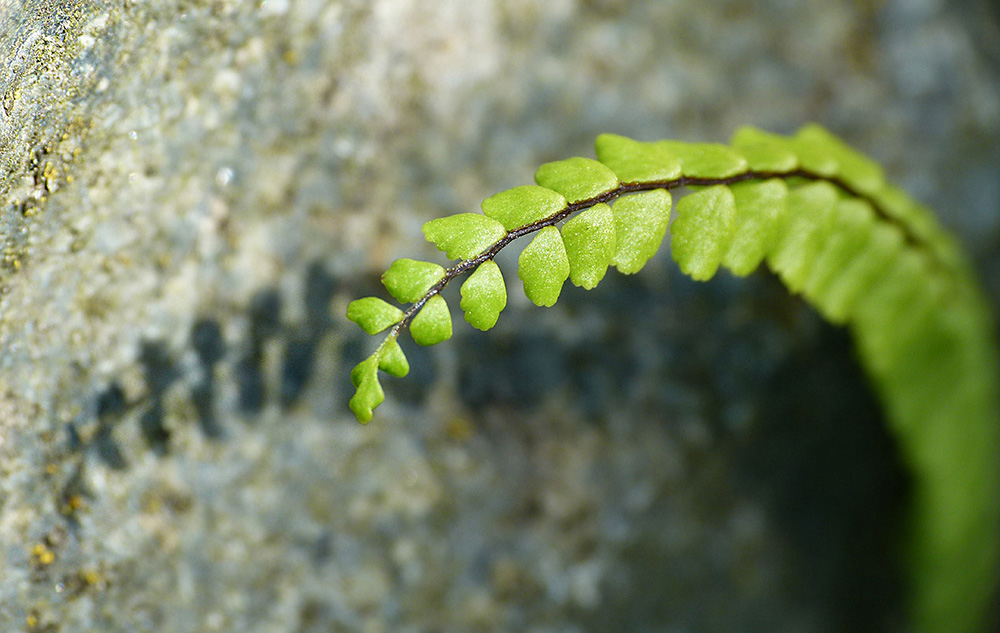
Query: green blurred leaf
[465, 235]
[706, 160]
[641, 223]
[765, 152]
[433, 323]
[853, 220]
[373, 314]
[760, 206]
[883, 243]
[392, 360]
[703, 230]
[576, 178]
[921, 222]
[544, 267]
[800, 236]
[407, 280]
[636, 161]
[884, 305]
[589, 239]
[484, 296]
[899, 206]
[854, 168]
[523, 205]
[814, 155]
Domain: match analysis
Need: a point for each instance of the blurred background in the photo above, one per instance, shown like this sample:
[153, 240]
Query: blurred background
[192, 191]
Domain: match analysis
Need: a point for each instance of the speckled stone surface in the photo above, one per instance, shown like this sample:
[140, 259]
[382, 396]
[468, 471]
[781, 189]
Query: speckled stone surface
[191, 193]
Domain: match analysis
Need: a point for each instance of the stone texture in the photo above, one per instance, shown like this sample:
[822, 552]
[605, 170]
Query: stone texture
[191, 193]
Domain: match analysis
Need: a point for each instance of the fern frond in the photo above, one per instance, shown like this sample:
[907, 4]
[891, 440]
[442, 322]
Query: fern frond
[821, 216]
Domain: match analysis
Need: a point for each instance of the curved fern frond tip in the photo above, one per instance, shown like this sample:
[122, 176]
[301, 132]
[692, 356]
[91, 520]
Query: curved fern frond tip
[822, 217]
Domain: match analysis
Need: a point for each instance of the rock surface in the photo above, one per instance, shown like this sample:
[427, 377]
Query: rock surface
[191, 193]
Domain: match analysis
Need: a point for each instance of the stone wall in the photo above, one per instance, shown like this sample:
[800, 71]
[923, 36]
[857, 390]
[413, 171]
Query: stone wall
[190, 194]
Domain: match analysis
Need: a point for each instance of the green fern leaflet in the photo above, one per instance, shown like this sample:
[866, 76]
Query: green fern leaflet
[820, 216]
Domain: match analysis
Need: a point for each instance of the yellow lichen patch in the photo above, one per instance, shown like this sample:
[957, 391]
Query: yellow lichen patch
[50, 176]
[91, 577]
[41, 555]
[73, 504]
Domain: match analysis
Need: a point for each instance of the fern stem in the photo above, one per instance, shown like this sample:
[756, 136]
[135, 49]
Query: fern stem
[636, 187]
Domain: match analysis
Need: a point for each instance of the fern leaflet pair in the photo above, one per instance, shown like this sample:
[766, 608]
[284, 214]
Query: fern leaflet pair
[823, 218]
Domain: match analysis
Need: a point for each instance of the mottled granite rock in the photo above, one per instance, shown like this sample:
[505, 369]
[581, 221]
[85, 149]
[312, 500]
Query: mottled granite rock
[190, 194]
